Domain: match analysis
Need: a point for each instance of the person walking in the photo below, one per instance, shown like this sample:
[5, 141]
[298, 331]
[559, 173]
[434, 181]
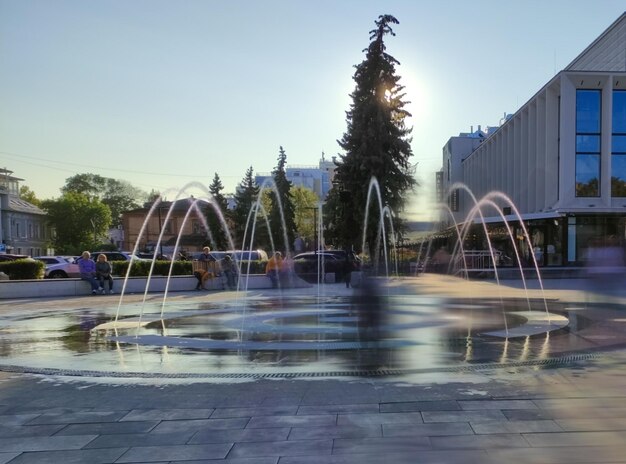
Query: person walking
[274, 268]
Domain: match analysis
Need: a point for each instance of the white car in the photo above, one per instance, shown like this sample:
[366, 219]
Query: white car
[59, 267]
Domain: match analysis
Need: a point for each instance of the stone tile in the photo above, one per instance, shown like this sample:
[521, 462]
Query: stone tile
[29, 431]
[411, 457]
[175, 453]
[416, 406]
[6, 457]
[480, 441]
[78, 417]
[263, 460]
[292, 421]
[339, 408]
[335, 431]
[430, 430]
[462, 416]
[481, 405]
[166, 414]
[591, 425]
[515, 427]
[526, 414]
[45, 443]
[109, 428]
[362, 420]
[282, 448]
[560, 455]
[586, 413]
[141, 439]
[398, 445]
[282, 401]
[222, 413]
[240, 435]
[16, 419]
[581, 403]
[576, 438]
[200, 424]
[70, 457]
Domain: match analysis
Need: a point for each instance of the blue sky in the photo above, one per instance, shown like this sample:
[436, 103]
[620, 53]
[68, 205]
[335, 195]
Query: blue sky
[161, 93]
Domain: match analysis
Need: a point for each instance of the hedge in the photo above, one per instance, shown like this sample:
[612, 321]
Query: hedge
[23, 269]
[162, 268]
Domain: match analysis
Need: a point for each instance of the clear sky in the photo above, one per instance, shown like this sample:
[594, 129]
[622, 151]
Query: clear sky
[161, 93]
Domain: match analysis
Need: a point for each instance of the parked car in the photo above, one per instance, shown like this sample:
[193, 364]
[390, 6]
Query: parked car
[305, 265]
[11, 257]
[59, 267]
[116, 255]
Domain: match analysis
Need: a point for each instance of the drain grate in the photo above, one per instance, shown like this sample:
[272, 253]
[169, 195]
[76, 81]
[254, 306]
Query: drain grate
[548, 362]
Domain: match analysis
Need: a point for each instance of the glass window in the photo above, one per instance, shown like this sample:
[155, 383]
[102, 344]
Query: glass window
[588, 144]
[587, 175]
[619, 111]
[618, 175]
[588, 111]
[619, 144]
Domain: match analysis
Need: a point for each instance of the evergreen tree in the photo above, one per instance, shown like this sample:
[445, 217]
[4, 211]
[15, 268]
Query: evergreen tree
[245, 196]
[282, 197]
[213, 220]
[376, 144]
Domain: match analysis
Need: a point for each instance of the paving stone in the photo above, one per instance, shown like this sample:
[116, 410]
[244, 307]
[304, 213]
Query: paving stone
[292, 421]
[430, 430]
[411, 457]
[240, 435]
[141, 439]
[496, 404]
[589, 425]
[175, 453]
[335, 431]
[45, 443]
[6, 457]
[16, 419]
[70, 457]
[200, 424]
[262, 460]
[479, 441]
[109, 428]
[576, 438]
[398, 445]
[560, 455]
[78, 417]
[380, 418]
[222, 413]
[282, 448]
[527, 414]
[585, 413]
[581, 403]
[416, 406]
[515, 427]
[166, 414]
[462, 416]
[29, 431]
[339, 408]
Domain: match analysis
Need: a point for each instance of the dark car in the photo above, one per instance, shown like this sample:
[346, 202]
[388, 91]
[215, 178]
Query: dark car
[308, 265]
[10, 257]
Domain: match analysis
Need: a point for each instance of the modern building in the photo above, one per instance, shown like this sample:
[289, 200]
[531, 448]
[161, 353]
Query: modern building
[23, 226]
[561, 158]
[316, 178]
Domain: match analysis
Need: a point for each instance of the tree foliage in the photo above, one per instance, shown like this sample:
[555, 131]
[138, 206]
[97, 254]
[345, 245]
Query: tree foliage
[80, 222]
[245, 196]
[118, 195]
[215, 224]
[376, 144]
[281, 206]
[28, 195]
[305, 204]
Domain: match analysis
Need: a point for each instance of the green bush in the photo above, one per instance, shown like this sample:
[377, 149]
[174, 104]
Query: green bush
[23, 269]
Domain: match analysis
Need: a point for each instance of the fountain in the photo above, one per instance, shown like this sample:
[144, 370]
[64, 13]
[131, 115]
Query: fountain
[310, 330]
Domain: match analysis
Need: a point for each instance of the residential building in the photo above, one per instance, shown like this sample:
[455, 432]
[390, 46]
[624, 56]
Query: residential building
[23, 226]
[316, 178]
[561, 158]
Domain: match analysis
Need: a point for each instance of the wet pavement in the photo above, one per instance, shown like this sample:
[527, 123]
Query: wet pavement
[445, 392]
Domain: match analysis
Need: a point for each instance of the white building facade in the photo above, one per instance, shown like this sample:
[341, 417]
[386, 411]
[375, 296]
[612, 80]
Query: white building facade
[561, 158]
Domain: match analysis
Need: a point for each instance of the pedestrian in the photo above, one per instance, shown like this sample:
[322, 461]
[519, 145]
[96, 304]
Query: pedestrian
[204, 267]
[87, 269]
[103, 272]
[274, 268]
[230, 272]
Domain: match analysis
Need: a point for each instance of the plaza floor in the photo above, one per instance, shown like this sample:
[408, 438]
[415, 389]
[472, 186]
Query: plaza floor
[572, 410]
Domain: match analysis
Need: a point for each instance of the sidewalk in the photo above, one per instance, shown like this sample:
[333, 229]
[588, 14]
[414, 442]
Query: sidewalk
[570, 413]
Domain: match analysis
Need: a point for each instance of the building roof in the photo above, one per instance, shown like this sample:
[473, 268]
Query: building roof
[606, 53]
[19, 205]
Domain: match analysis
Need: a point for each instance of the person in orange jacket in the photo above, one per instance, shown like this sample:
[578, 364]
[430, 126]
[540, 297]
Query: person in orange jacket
[274, 268]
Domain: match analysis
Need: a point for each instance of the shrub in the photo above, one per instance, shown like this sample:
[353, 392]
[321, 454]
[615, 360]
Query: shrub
[22, 269]
[142, 268]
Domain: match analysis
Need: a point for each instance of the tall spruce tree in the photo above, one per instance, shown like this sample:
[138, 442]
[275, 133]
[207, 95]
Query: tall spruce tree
[284, 200]
[245, 196]
[376, 144]
[215, 225]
